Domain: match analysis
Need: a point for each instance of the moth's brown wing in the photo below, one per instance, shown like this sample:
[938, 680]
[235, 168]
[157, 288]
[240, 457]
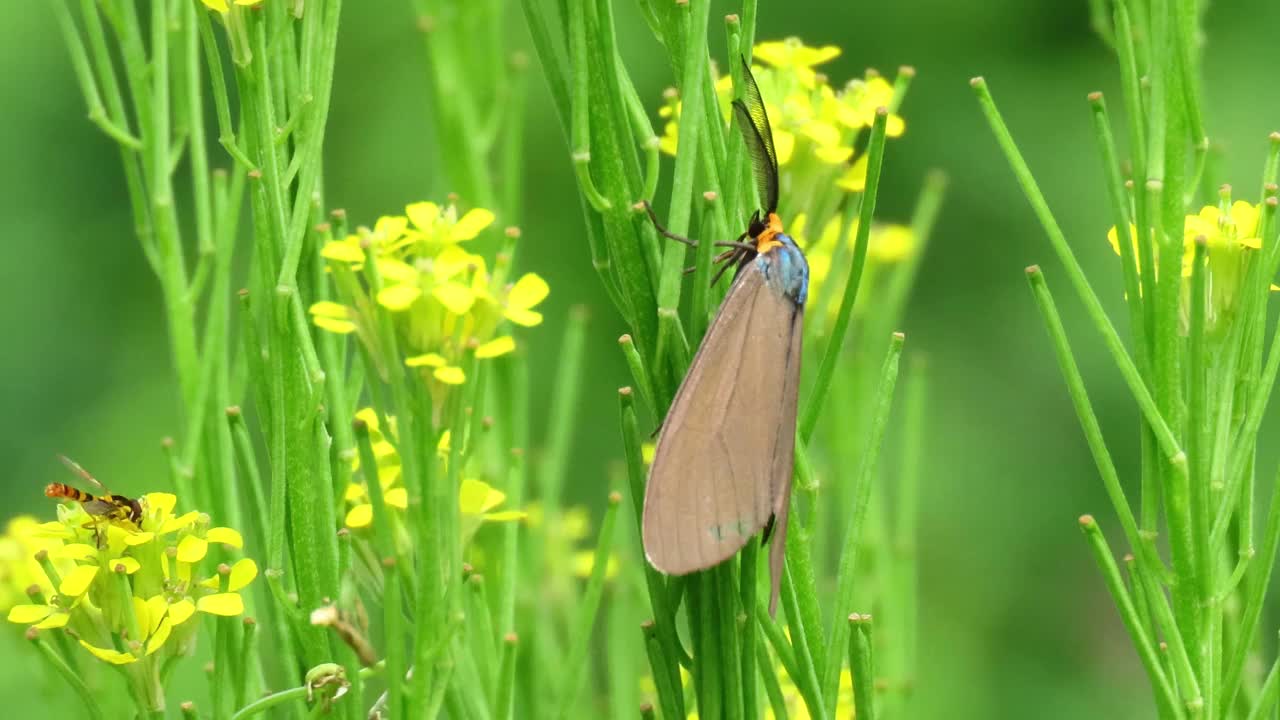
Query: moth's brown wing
[724, 458]
[784, 461]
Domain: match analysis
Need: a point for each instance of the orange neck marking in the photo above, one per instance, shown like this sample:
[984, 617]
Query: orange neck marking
[766, 240]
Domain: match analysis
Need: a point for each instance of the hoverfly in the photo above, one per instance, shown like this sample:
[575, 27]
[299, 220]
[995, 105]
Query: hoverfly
[107, 507]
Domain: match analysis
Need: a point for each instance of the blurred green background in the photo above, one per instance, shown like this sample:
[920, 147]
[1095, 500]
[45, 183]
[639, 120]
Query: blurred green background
[1016, 622]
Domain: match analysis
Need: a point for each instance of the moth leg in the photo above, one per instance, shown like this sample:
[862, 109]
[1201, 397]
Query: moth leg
[662, 230]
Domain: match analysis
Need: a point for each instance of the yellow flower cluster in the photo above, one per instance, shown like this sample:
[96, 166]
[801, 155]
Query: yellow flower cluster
[443, 300]
[1230, 233]
[127, 591]
[477, 500]
[815, 127]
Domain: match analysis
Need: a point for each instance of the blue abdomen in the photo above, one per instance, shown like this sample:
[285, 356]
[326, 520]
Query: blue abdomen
[785, 269]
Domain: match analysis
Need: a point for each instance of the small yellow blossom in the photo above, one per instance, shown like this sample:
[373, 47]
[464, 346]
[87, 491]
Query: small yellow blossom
[477, 500]
[1230, 233]
[221, 5]
[442, 298]
[815, 127]
[153, 575]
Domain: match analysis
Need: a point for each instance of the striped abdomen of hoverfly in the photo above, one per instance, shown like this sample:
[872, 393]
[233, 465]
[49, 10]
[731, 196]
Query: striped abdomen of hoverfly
[112, 507]
[723, 464]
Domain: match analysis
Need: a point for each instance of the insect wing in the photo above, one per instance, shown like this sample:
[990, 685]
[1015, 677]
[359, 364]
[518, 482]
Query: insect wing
[753, 123]
[725, 456]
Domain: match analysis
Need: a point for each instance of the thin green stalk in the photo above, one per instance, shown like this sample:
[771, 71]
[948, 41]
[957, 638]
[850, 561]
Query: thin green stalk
[1168, 441]
[580, 124]
[1258, 579]
[806, 675]
[576, 660]
[1084, 411]
[664, 628]
[273, 700]
[505, 693]
[906, 555]
[669, 692]
[846, 577]
[1165, 695]
[1134, 298]
[560, 422]
[384, 543]
[1270, 693]
[71, 677]
[693, 20]
[827, 367]
[862, 666]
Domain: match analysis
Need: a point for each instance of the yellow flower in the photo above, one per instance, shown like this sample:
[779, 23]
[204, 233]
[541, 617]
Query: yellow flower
[221, 5]
[477, 500]
[19, 570]
[114, 577]
[792, 54]
[443, 300]
[523, 297]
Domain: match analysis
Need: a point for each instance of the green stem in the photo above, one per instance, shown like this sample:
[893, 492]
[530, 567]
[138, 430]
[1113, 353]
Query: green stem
[846, 578]
[827, 368]
[73, 679]
[576, 660]
[1124, 603]
[1168, 441]
[262, 705]
[862, 666]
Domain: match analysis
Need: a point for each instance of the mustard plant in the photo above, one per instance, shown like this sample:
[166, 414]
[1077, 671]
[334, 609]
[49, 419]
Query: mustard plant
[1196, 263]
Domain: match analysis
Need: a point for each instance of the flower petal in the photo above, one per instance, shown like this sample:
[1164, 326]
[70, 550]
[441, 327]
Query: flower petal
[528, 291]
[139, 538]
[180, 522]
[470, 225]
[396, 498]
[161, 634]
[496, 347]
[450, 375]
[525, 318]
[114, 657]
[476, 497]
[242, 573]
[330, 309]
[54, 621]
[226, 536]
[398, 270]
[181, 611]
[360, 516]
[28, 614]
[131, 565]
[73, 551]
[339, 327]
[427, 360]
[423, 215]
[455, 297]
[398, 297]
[192, 549]
[342, 251]
[76, 583]
[224, 604]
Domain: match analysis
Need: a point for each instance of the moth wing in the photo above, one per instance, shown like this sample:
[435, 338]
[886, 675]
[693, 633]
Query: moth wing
[724, 458]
